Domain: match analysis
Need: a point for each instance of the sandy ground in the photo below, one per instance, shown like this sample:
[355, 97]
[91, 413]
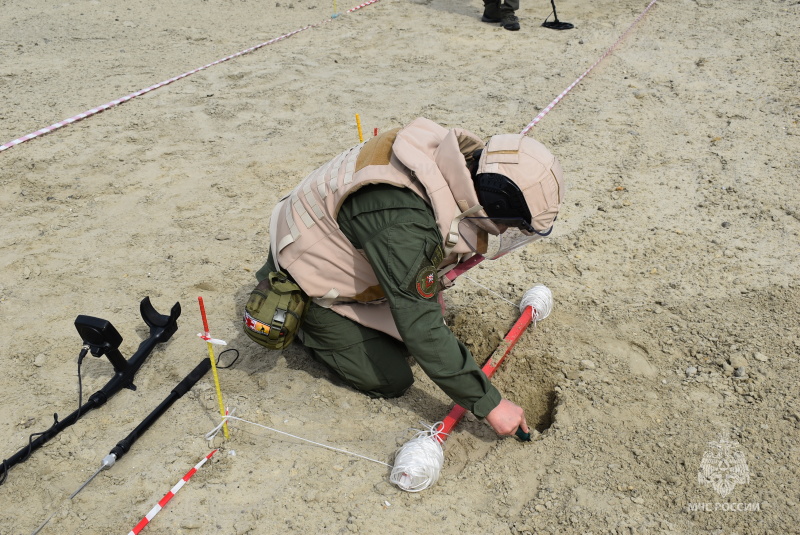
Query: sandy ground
[674, 264]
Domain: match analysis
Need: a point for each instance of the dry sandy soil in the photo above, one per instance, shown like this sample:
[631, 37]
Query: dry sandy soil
[674, 264]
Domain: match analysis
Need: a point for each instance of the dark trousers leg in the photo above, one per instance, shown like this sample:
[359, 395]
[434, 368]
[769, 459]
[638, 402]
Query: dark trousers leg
[368, 360]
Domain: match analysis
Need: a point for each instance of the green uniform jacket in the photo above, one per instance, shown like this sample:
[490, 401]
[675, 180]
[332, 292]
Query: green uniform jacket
[398, 234]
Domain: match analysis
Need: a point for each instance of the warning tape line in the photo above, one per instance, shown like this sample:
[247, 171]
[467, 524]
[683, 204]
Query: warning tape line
[582, 76]
[116, 102]
[168, 496]
[119, 101]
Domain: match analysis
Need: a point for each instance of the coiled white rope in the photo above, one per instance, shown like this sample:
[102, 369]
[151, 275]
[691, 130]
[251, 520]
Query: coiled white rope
[540, 299]
[418, 463]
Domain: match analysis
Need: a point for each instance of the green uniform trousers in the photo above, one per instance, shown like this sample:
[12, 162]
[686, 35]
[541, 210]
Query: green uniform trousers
[366, 359]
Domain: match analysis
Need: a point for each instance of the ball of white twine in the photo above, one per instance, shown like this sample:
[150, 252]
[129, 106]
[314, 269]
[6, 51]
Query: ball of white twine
[418, 463]
[540, 298]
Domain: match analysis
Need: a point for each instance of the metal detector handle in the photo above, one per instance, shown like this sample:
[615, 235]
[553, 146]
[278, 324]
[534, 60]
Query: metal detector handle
[184, 386]
[522, 435]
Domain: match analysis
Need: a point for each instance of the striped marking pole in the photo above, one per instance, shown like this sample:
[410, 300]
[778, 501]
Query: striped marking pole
[491, 365]
[168, 496]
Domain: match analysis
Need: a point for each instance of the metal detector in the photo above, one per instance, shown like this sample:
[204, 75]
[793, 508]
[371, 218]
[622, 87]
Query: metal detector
[101, 338]
[556, 24]
[124, 445]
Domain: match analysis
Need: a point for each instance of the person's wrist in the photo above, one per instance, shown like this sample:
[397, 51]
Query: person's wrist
[487, 403]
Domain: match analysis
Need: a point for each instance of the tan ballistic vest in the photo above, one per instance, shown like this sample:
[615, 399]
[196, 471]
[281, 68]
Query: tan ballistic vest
[307, 242]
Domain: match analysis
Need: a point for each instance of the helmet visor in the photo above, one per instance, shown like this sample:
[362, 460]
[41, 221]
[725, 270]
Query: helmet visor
[514, 233]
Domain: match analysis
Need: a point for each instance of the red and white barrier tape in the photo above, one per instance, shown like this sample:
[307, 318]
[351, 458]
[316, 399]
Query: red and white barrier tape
[168, 496]
[118, 101]
[582, 76]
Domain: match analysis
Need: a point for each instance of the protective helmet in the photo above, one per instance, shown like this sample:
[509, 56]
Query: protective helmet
[519, 180]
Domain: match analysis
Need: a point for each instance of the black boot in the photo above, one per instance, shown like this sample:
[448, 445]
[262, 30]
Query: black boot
[509, 21]
[491, 12]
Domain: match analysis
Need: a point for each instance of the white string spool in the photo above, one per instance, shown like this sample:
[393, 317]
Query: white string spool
[419, 462]
[540, 299]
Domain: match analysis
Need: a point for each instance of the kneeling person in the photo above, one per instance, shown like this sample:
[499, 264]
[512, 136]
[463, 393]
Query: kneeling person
[370, 235]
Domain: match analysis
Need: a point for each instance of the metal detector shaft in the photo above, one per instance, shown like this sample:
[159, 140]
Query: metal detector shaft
[161, 329]
[184, 386]
[124, 445]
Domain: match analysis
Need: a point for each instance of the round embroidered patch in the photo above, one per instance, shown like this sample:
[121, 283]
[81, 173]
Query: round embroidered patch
[426, 282]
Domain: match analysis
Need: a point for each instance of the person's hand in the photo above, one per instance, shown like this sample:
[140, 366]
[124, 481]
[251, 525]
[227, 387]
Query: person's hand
[506, 418]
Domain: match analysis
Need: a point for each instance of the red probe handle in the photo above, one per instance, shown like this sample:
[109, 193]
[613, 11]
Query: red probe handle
[457, 412]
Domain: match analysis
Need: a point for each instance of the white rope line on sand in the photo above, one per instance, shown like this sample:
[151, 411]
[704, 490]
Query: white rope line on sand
[116, 102]
[211, 434]
[512, 303]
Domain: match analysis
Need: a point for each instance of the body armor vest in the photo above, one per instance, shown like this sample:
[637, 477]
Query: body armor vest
[423, 156]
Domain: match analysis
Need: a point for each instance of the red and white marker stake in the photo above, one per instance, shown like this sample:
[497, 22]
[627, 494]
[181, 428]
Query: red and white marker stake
[206, 335]
[491, 365]
[168, 496]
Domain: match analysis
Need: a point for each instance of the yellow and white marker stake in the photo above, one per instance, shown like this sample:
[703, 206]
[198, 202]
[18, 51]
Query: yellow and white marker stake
[210, 342]
[360, 134]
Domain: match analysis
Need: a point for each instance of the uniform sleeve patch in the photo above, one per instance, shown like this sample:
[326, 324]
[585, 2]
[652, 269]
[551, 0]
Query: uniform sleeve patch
[426, 282]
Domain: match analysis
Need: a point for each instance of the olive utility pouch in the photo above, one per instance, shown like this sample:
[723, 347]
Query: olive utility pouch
[275, 310]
